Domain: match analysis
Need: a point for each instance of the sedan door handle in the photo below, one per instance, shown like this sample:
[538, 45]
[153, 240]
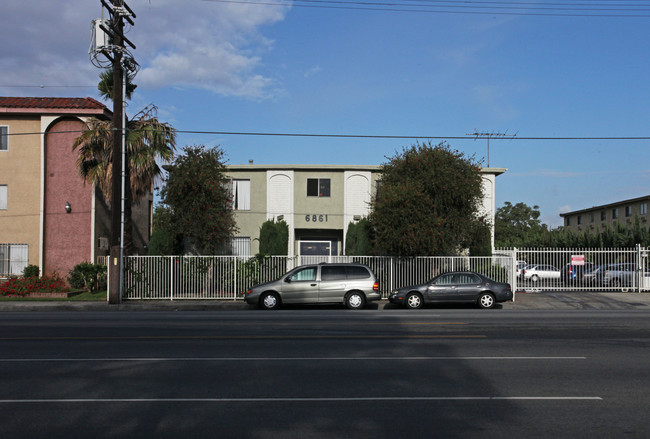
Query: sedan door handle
[313, 285]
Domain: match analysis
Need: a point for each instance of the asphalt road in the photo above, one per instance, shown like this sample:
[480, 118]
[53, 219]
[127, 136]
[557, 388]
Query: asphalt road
[325, 373]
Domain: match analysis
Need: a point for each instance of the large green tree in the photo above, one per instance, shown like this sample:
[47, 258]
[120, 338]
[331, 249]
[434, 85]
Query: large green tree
[428, 203]
[518, 225]
[199, 199]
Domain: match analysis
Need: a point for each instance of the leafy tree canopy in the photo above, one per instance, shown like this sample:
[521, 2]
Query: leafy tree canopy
[427, 203]
[518, 225]
[197, 194]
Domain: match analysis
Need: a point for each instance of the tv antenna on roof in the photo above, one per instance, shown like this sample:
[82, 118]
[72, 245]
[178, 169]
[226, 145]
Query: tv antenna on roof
[487, 136]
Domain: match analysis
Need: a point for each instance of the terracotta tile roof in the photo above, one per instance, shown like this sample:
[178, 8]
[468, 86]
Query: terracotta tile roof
[51, 103]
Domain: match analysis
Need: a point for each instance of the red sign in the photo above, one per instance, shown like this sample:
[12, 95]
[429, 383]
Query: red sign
[577, 259]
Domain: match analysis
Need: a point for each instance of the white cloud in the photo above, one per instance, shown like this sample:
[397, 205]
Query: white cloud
[207, 45]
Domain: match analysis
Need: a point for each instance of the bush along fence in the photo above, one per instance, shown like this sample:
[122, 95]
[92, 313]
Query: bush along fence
[228, 277]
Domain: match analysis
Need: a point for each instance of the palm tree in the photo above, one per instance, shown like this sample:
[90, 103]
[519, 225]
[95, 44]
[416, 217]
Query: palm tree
[148, 141]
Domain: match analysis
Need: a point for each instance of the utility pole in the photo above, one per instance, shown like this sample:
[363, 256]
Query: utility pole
[115, 51]
[477, 135]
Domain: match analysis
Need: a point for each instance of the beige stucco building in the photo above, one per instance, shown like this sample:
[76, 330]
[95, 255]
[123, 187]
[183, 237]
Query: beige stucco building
[598, 217]
[48, 216]
[318, 202]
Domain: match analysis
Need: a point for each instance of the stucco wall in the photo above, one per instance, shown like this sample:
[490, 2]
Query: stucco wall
[67, 236]
[20, 170]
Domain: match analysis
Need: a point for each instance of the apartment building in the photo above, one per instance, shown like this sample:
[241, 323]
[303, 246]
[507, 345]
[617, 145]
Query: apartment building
[48, 216]
[318, 202]
[598, 217]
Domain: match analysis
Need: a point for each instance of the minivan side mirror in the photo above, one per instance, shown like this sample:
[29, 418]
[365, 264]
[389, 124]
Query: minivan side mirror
[287, 279]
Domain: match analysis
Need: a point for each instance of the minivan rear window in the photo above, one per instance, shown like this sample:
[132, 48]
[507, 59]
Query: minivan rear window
[357, 273]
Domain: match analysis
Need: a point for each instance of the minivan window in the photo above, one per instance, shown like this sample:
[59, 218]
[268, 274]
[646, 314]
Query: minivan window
[305, 274]
[332, 273]
[357, 273]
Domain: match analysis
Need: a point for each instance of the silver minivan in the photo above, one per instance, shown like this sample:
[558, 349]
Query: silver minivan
[350, 284]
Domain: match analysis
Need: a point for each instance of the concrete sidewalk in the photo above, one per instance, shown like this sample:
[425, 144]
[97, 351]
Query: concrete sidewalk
[551, 300]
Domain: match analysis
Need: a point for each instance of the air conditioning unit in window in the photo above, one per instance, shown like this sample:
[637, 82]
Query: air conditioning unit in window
[103, 243]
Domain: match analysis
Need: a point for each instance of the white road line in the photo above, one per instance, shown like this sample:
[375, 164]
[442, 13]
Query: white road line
[163, 359]
[267, 400]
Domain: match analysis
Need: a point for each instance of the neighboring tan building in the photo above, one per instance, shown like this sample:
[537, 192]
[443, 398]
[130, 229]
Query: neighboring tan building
[598, 217]
[318, 202]
[48, 216]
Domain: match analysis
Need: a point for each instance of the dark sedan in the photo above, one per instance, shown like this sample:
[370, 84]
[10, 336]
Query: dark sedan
[461, 286]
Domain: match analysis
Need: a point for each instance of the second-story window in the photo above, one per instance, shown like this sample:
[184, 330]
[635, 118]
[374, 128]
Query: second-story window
[241, 194]
[628, 211]
[318, 187]
[4, 138]
[614, 213]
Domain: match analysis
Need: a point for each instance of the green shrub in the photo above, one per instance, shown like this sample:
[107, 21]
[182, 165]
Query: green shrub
[88, 275]
[31, 271]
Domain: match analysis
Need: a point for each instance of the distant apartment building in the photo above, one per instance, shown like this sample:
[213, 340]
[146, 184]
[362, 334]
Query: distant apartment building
[598, 217]
[48, 216]
[318, 202]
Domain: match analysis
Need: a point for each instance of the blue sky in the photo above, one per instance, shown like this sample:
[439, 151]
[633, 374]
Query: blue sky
[238, 67]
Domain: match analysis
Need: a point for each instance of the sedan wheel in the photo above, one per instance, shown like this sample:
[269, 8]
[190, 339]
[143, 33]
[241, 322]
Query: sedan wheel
[270, 301]
[355, 301]
[413, 301]
[534, 278]
[486, 301]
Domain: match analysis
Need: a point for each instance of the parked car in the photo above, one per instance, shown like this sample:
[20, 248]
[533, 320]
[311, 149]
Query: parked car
[520, 266]
[620, 275]
[350, 284]
[538, 272]
[574, 273]
[461, 286]
[594, 276]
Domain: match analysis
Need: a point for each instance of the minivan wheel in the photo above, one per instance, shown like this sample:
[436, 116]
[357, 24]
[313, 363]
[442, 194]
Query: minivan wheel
[270, 301]
[486, 301]
[355, 300]
[413, 301]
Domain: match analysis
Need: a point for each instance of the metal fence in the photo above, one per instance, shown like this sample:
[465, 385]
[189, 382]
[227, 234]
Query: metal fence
[227, 277]
[579, 269]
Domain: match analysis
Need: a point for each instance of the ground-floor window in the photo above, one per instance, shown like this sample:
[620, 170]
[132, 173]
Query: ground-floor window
[13, 259]
[319, 248]
[241, 246]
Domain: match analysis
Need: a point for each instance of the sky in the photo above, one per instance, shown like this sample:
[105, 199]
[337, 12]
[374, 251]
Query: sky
[566, 81]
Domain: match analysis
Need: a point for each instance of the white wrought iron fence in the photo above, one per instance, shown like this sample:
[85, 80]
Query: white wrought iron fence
[579, 269]
[227, 277]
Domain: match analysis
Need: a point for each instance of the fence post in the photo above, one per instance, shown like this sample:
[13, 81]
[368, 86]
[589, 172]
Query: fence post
[171, 278]
[234, 293]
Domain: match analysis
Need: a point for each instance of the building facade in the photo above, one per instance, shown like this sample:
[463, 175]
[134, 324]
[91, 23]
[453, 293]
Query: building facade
[48, 216]
[318, 202]
[598, 217]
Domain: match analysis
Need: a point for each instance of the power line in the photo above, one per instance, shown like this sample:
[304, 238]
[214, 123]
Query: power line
[552, 9]
[368, 136]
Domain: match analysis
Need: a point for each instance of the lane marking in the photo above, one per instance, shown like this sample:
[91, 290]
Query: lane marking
[238, 337]
[242, 359]
[333, 399]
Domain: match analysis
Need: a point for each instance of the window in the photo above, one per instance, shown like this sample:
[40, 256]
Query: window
[304, 274]
[628, 211]
[615, 213]
[13, 258]
[579, 219]
[4, 138]
[335, 272]
[603, 215]
[241, 194]
[240, 246]
[3, 197]
[318, 187]
[591, 217]
[568, 220]
[643, 209]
